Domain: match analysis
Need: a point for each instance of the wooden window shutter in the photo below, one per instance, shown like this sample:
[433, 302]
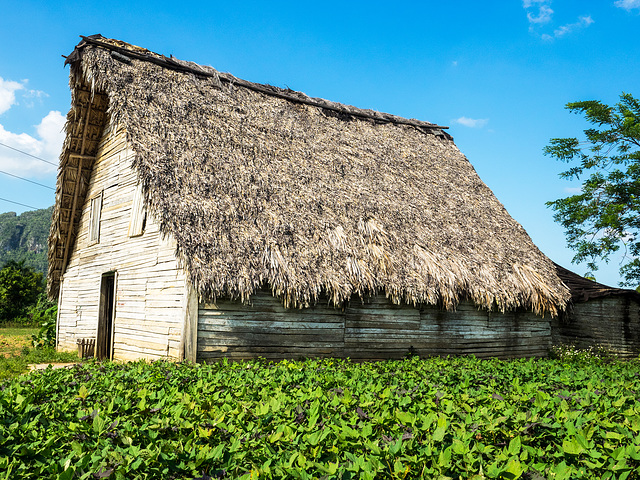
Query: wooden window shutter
[94, 220]
[138, 215]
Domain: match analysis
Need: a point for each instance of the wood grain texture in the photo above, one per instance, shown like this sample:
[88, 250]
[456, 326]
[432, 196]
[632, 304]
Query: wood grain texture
[150, 291]
[611, 322]
[374, 329]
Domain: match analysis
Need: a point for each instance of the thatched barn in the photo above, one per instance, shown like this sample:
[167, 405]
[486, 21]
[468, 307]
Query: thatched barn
[598, 316]
[200, 216]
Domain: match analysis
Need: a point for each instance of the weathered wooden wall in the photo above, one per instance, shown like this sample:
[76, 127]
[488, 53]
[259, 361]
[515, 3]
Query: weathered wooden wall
[612, 322]
[374, 330]
[150, 288]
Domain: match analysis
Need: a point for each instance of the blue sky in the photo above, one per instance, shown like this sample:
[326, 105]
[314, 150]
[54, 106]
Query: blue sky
[498, 73]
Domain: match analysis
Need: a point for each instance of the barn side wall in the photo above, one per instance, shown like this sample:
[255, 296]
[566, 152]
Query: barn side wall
[376, 329]
[150, 289]
[611, 322]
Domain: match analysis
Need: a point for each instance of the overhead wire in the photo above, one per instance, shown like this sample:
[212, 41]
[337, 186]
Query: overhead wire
[22, 204]
[27, 180]
[32, 156]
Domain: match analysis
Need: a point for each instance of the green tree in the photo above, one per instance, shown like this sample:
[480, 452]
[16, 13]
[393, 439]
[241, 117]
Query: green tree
[19, 289]
[605, 216]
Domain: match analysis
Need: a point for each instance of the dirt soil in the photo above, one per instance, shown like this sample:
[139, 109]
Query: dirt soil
[44, 366]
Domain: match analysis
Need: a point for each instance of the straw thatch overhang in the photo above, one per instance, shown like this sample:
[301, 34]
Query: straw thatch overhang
[261, 185]
[85, 124]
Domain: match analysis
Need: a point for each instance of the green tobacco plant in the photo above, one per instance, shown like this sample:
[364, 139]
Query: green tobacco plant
[324, 419]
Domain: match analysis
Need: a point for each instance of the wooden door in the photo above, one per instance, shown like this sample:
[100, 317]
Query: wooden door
[106, 314]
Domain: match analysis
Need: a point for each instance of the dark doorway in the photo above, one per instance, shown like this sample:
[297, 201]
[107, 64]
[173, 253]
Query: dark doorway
[104, 342]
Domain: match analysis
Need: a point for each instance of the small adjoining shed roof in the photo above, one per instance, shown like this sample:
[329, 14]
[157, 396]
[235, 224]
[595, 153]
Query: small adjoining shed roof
[264, 185]
[582, 289]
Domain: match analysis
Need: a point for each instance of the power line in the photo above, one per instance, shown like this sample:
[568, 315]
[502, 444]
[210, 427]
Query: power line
[32, 156]
[27, 180]
[18, 203]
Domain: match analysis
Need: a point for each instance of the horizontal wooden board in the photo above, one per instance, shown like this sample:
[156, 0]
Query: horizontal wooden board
[375, 329]
[149, 286]
[611, 322]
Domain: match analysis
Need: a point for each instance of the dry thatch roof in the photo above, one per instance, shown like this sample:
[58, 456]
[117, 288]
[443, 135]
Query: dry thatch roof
[259, 184]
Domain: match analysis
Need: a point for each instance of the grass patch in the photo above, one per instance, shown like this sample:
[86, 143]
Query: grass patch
[11, 367]
[16, 352]
[14, 339]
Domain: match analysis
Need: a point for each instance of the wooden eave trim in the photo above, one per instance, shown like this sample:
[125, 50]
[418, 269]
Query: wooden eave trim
[71, 224]
[81, 156]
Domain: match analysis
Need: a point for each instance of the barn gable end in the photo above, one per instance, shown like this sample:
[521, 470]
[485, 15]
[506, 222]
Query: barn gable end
[148, 306]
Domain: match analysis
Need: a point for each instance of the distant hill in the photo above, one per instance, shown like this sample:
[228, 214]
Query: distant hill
[25, 237]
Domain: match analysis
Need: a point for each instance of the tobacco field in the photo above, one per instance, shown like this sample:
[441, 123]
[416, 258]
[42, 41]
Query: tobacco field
[455, 418]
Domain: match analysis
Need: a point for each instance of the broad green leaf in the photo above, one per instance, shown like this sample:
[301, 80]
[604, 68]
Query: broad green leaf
[459, 447]
[263, 409]
[514, 468]
[561, 471]
[541, 399]
[614, 436]
[493, 470]
[399, 468]
[315, 437]
[514, 446]
[441, 429]
[98, 424]
[618, 453]
[66, 475]
[571, 446]
[83, 392]
[405, 417]
[373, 446]
[395, 447]
[444, 458]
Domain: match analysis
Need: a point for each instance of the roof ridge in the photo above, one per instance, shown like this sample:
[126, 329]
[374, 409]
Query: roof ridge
[124, 54]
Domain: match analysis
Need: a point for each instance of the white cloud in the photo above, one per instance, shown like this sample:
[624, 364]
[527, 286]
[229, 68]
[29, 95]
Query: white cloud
[628, 5]
[538, 12]
[528, 3]
[582, 22]
[35, 94]
[8, 89]
[471, 122]
[573, 190]
[543, 16]
[8, 94]
[51, 131]
[47, 147]
[31, 96]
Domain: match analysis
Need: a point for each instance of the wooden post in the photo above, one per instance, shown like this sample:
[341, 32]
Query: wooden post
[58, 312]
[190, 330]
